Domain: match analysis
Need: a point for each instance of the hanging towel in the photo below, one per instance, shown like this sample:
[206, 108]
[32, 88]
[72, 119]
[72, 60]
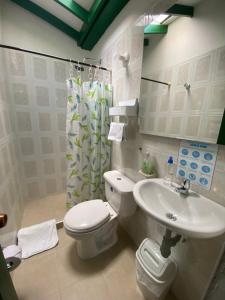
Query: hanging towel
[37, 238]
[116, 132]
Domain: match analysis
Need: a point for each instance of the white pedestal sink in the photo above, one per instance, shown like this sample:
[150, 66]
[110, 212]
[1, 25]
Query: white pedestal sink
[192, 216]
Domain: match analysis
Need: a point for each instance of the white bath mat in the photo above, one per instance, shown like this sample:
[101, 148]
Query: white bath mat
[37, 238]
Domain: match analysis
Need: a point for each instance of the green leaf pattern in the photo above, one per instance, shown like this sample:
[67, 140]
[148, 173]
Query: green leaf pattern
[89, 150]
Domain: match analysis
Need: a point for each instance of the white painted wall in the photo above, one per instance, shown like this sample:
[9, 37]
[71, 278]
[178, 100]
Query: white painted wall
[0, 20]
[127, 17]
[23, 29]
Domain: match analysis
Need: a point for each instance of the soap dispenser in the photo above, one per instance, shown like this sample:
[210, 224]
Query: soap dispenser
[170, 171]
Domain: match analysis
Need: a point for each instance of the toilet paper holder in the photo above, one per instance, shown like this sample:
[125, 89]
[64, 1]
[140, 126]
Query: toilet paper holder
[12, 256]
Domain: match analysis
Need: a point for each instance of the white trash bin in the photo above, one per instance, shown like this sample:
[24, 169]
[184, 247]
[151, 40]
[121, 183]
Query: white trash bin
[154, 273]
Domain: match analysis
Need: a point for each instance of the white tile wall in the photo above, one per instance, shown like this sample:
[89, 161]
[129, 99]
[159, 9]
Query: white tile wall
[37, 89]
[11, 192]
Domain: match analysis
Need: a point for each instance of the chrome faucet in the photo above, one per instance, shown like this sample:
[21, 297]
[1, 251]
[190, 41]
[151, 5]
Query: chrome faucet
[184, 188]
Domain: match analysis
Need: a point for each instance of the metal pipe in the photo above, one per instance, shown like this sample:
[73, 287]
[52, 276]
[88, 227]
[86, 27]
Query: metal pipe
[168, 242]
[54, 57]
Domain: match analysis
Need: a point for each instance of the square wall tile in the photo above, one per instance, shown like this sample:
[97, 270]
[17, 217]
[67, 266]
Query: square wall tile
[49, 166]
[192, 126]
[149, 124]
[162, 122]
[61, 121]
[30, 169]
[183, 73]
[44, 121]
[196, 98]
[46, 145]
[7, 118]
[6, 161]
[179, 100]
[152, 103]
[175, 125]
[27, 145]
[63, 164]
[40, 68]
[33, 190]
[220, 68]
[20, 94]
[51, 185]
[17, 64]
[2, 128]
[202, 68]
[24, 121]
[217, 97]
[60, 96]
[62, 143]
[64, 183]
[211, 126]
[164, 103]
[60, 71]
[42, 96]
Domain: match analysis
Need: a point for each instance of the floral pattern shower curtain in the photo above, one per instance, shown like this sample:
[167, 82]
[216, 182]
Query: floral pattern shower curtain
[88, 150]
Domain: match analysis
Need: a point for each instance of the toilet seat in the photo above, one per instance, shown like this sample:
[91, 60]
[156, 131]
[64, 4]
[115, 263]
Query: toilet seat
[87, 216]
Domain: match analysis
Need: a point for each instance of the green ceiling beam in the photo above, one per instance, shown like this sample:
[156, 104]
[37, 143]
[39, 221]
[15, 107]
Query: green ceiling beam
[181, 10]
[156, 29]
[75, 9]
[94, 13]
[48, 17]
[103, 14]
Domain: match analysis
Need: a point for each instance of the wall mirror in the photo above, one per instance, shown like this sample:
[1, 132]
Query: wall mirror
[191, 58]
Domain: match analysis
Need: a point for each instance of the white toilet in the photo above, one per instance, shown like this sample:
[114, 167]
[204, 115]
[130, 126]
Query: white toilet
[94, 223]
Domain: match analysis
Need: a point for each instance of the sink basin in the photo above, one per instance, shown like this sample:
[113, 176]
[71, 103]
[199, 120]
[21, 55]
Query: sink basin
[193, 215]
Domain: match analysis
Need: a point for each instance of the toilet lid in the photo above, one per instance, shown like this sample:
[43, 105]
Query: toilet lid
[86, 216]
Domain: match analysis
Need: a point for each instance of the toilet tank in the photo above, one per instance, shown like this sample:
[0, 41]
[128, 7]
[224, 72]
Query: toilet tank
[119, 193]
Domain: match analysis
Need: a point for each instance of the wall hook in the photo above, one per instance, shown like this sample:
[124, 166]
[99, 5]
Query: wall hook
[125, 58]
[187, 86]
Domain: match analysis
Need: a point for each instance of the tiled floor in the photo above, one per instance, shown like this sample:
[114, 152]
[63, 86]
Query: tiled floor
[59, 274]
[43, 209]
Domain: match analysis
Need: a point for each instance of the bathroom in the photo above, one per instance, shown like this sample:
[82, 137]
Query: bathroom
[33, 167]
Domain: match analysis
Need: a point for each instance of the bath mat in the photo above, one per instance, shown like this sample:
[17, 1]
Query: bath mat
[37, 238]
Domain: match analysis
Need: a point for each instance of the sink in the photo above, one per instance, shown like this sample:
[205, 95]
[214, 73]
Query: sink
[193, 215]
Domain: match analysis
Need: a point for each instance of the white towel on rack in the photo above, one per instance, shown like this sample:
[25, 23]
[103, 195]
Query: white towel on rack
[116, 132]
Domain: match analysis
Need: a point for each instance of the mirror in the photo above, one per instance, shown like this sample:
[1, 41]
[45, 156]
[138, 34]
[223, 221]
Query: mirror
[191, 58]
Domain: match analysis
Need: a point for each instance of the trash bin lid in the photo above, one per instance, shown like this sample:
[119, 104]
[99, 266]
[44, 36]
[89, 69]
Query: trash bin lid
[151, 259]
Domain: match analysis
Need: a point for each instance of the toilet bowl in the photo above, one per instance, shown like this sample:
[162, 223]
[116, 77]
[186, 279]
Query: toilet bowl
[94, 223]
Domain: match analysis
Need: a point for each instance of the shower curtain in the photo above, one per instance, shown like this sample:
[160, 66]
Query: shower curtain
[88, 150]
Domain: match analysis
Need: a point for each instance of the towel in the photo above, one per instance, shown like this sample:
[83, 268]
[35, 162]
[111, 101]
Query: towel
[116, 132]
[37, 238]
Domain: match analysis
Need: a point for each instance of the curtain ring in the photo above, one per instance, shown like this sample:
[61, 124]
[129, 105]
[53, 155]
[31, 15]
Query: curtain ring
[71, 69]
[96, 72]
[90, 75]
[78, 68]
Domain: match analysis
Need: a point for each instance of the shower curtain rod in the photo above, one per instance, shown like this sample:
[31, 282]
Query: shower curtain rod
[55, 57]
[157, 81]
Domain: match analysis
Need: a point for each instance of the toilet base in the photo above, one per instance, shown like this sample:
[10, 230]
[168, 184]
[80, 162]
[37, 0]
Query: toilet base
[102, 240]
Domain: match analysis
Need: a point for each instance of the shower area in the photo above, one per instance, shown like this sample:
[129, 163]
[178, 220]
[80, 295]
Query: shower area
[41, 165]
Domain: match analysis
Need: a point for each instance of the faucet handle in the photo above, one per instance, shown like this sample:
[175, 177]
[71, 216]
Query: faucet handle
[186, 183]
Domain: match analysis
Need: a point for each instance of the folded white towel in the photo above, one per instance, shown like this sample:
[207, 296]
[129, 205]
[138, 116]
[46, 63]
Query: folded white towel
[116, 132]
[37, 238]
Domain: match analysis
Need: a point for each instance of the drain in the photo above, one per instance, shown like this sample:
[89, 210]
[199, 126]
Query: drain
[171, 216]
